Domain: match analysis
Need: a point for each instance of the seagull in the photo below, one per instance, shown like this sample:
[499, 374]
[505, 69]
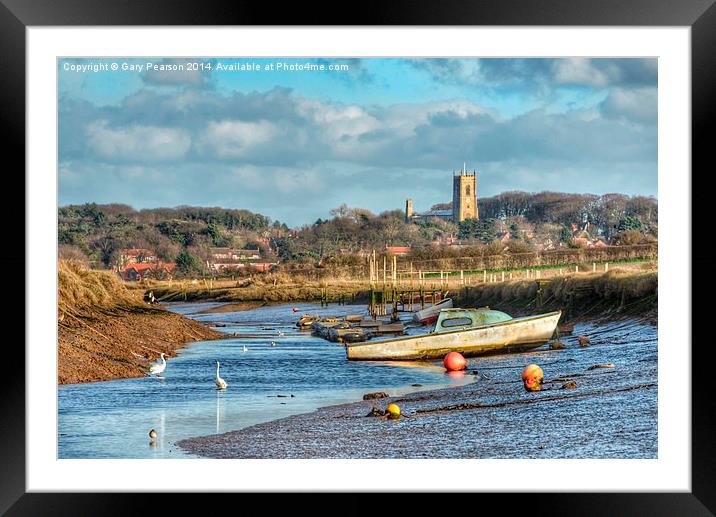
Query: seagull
[158, 367]
[280, 333]
[273, 343]
[220, 383]
[245, 349]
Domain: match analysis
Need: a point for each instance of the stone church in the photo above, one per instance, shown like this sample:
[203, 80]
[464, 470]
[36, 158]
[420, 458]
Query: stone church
[464, 201]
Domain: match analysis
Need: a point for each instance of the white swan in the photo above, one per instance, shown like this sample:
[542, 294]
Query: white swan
[159, 366]
[220, 383]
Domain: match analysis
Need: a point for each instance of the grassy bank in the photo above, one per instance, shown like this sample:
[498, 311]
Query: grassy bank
[106, 331]
[616, 292]
[607, 294]
[272, 287]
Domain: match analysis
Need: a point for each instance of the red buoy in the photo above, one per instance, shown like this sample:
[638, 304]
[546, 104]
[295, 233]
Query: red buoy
[533, 384]
[454, 361]
[532, 376]
[532, 371]
[295, 309]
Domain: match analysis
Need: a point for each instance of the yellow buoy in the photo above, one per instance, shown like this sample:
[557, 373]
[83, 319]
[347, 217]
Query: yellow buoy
[393, 411]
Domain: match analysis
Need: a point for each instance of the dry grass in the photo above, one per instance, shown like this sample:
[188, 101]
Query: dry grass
[611, 292]
[81, 290]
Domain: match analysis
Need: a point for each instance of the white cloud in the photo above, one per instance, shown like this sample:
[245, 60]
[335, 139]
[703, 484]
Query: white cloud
[137, 143]
[579, 71]
[637, 105]
[236, 138]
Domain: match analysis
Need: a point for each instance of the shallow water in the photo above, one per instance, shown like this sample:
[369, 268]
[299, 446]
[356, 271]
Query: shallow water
[112, 419]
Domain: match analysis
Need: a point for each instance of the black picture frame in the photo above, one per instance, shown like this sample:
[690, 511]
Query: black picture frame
[699, 15]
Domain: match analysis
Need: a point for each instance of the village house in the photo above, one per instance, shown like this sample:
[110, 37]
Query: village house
[229, 258]
[144, 270]
[583, 239]
[133, 256]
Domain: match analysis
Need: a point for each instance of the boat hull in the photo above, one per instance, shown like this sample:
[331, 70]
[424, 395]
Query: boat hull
[514, 335]
[430, 315]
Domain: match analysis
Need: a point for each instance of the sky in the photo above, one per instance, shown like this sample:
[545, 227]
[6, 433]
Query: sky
[293, 138]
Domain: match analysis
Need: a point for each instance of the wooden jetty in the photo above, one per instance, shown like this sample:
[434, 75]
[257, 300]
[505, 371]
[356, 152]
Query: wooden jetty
[401, 300]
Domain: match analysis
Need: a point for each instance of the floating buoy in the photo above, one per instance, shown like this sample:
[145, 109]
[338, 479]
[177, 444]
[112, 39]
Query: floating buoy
[393, 411]
[583, 340]
[533, 384]
[532, 371]
[295, 309]
[454, 361]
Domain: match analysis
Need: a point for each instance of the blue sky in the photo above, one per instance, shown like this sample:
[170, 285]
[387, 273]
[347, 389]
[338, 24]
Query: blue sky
[292, 144]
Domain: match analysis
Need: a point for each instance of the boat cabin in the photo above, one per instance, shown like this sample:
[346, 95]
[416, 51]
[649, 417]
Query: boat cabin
[461, 319]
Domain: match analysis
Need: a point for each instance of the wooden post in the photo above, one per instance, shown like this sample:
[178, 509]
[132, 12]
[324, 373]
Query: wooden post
[576, 269]
[395, 270]
[510, 275]
[462, 278]
[385, 258]
[606, 267]
[484, 275]
[594, 267]
[503, 276]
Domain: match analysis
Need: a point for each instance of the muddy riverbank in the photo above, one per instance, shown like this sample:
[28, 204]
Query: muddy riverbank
[585, 412]
[106, 332]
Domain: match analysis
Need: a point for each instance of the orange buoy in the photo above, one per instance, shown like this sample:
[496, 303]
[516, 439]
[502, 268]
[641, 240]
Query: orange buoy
[295, 309]
[393, 411]
[533, 384]
[454, 361]
[532, 371]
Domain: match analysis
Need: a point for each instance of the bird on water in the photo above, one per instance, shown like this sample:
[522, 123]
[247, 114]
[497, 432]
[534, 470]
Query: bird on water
[220, 383]
[159, 366]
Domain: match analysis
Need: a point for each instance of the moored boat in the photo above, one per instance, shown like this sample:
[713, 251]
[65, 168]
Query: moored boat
[430, 314]
[468, 331]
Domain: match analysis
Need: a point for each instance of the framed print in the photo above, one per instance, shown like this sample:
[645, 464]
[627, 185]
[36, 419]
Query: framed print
[264, 279]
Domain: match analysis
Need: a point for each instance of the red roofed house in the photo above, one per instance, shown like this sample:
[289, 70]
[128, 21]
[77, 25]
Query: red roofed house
[133, 256]
[142, 270]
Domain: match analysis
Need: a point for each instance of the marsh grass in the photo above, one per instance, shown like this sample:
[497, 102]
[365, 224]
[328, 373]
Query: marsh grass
[82, 291]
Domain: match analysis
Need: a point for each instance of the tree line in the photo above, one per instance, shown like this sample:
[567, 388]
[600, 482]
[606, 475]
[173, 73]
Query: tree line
[518, 222]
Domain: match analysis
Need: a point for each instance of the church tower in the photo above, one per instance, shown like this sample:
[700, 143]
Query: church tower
[408, 210]
[464, 196]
